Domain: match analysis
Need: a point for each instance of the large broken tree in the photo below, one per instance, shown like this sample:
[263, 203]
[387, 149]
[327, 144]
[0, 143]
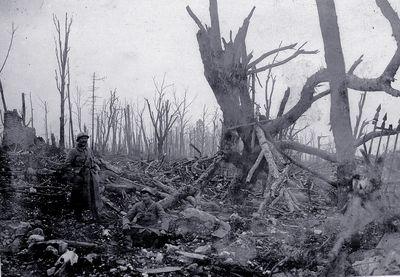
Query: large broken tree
[227, 68]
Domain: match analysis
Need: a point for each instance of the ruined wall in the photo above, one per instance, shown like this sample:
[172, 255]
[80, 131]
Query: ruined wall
[15, 135]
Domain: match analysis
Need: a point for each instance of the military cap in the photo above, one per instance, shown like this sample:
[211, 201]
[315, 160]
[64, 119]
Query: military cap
[81, 135]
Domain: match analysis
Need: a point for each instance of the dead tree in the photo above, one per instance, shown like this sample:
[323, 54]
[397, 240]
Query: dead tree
[233, 97]
[13, 30]
[141, 124]
[2, 97]
[162, 116]
[114, 145]
[227, 68]
[30, 100]
[71, 122]
[183, 120]
[120, 134]
[23, 110]
[339, 80]
[128, 130]
[340, 109]
[203, 129]
[45, 120]
[78, 107]
[214, 139]
[62, 49]
[93, 107]
[108, 119]
[93, 102]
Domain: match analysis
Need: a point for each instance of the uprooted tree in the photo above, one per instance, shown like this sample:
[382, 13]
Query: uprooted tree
[228, 66]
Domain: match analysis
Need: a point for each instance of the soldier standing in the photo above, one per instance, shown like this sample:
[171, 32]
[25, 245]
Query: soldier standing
[85, 190]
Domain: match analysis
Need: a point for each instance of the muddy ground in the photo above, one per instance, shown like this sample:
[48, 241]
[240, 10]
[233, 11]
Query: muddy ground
[34, 197]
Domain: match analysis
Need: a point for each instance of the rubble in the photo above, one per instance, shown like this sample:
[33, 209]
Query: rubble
[15, 135]
[196, 221]
[207, 233]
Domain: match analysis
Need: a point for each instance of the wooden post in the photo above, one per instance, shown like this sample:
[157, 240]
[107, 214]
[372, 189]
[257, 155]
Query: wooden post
[30, 100]
[23, 113]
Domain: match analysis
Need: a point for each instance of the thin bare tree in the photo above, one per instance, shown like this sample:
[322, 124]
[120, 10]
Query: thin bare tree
[13, 30]
[62, 50]
[162, 115]
[71, 122]
[78, 107]
[46, 131]
[182, 108]
[108, 118]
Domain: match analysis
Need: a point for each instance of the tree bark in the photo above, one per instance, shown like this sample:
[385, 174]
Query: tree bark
[2, 97]
[340, 110]
[71, 123]
[23, 112]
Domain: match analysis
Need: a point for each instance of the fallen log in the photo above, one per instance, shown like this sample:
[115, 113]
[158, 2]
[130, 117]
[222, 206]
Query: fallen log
[304, 167]
[255, 166]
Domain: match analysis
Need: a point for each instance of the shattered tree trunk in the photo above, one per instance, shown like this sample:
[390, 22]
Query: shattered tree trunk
[227, 69]
[23, 111]
[340, 109]
[226, 72]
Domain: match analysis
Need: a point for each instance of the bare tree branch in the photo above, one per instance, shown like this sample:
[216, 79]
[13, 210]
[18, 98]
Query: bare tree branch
[298, 52]
[13, 29]
[269, 53]
[293, 145]
[384, 81]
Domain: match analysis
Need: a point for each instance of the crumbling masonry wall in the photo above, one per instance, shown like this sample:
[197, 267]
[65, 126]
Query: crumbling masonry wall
[15, 135]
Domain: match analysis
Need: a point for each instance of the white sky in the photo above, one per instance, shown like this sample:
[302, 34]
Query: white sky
[130, 41]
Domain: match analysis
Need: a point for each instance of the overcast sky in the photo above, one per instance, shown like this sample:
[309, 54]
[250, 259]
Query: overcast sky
[129, 42]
